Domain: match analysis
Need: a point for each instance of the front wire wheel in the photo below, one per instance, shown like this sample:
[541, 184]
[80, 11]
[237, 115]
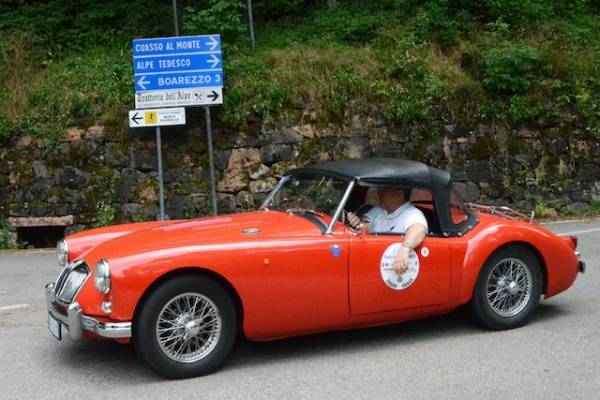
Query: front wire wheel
[186, 326]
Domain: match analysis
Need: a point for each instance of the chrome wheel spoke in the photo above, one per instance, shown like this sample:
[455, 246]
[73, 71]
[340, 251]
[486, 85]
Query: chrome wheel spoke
[508, 287]
[188, 327]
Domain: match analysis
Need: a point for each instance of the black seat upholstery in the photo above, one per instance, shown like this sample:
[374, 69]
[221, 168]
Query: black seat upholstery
[432, 221]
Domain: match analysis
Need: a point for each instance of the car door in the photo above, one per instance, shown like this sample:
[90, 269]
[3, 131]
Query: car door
[373, 285]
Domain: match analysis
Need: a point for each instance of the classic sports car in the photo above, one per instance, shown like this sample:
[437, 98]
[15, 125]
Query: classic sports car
[181, 291]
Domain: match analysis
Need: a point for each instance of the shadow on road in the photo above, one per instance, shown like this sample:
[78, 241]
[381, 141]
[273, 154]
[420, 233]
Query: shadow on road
[119, 362]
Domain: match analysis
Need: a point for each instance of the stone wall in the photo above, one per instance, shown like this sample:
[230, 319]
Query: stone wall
[108, 174]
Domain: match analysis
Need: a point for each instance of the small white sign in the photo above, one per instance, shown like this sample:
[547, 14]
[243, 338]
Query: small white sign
[156, 117]
[179, 97]
[390, 276]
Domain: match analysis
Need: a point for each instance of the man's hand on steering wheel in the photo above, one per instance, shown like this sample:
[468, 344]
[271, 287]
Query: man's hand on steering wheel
[353, 220]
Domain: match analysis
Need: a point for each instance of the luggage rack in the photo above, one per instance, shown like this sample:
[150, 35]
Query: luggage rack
[503, 211]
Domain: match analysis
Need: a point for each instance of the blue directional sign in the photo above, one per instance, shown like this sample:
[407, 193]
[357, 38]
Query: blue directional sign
[183, 62]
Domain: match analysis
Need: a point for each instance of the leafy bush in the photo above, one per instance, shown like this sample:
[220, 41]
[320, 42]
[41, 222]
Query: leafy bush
[63, 25]
[251, 92]
[510, 68]
[6, 241]
[411, 88]
[414, 61]
[224, 16]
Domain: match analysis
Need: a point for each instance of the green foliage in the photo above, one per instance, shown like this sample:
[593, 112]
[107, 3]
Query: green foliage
[6, 127]
[522, 108]
[510, 68]
[541, 211]
[106, 211]
[410, 89]
[6, 241]
[433, 22]
[274, 9]
[63, 25]
[416, 62]
[254, 95]
[347, 25]
[223, 16]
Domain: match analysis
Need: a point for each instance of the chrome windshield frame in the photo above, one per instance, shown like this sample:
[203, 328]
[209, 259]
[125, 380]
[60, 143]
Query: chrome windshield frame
[276, 189]
[336, 215]
[340, 207]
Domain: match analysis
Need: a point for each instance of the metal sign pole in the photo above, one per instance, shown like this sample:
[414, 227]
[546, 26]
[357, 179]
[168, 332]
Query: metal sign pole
[175, 18]
[161, 193]
[211, 164]
[251, 23]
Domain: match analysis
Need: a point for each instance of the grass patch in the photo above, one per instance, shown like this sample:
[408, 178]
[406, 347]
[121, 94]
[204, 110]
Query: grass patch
[415, 63]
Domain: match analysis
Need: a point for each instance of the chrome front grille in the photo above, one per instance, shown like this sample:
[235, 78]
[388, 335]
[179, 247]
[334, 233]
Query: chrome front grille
[70, 281]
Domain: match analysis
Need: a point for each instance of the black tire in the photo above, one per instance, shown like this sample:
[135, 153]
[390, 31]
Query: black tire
[146, 324]
[488, 313]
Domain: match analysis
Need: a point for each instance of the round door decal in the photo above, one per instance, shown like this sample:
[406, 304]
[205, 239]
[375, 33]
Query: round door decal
[392, 278]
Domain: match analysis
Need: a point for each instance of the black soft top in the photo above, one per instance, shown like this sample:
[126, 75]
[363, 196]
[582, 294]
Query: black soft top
[381, 172]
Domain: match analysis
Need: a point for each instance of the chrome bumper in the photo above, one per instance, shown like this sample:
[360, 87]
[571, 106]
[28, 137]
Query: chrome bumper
[76, 322]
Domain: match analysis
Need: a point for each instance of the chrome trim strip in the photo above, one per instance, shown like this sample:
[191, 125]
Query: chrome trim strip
[340, 207]
[76, 322]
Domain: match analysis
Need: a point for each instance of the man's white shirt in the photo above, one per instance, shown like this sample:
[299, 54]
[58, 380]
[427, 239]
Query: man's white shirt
[398, 221]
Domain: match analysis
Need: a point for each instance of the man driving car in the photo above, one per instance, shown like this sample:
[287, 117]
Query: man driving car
[396, 214]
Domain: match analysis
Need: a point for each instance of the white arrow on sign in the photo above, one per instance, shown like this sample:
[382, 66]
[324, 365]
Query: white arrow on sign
[156, 117]
[214, 60]
[212, 43]
[142, 82]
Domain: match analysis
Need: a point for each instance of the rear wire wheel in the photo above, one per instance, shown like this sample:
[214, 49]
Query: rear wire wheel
[508, 288]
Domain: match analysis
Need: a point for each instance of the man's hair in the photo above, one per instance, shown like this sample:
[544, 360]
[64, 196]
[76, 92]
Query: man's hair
[405, 191]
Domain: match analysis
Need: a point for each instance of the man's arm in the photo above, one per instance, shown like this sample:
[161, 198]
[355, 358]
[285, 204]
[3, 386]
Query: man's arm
[415, 234]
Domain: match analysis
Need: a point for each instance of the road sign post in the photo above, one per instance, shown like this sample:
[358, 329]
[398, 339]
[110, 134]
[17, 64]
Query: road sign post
[157, 118]
[176, 72]
[161, 190]
[211, 163]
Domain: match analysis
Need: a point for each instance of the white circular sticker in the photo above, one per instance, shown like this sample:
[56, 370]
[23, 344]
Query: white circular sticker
[424, 251]
[392, 278]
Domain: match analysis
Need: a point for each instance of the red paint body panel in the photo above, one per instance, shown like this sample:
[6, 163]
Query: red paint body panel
[287, 276]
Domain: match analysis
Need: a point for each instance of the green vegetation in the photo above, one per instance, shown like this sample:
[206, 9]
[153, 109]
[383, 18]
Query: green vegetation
[6, 240]
[106, 211]
[413, 62]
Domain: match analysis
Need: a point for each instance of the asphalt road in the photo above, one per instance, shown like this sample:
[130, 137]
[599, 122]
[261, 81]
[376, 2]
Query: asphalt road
[556, 356]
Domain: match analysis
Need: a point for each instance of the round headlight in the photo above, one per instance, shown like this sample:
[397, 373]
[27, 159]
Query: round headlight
[102, 276]
[62, 251]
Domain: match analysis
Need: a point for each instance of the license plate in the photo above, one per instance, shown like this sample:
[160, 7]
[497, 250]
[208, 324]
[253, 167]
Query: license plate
[54, 327]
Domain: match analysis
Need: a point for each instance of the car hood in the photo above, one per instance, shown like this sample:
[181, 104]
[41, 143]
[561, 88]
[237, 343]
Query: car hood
[195, 233]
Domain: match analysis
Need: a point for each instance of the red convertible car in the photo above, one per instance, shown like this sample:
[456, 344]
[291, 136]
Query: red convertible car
[182, 291]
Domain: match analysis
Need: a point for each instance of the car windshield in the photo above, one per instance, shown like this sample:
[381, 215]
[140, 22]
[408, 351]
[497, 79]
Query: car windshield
[318, 193]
